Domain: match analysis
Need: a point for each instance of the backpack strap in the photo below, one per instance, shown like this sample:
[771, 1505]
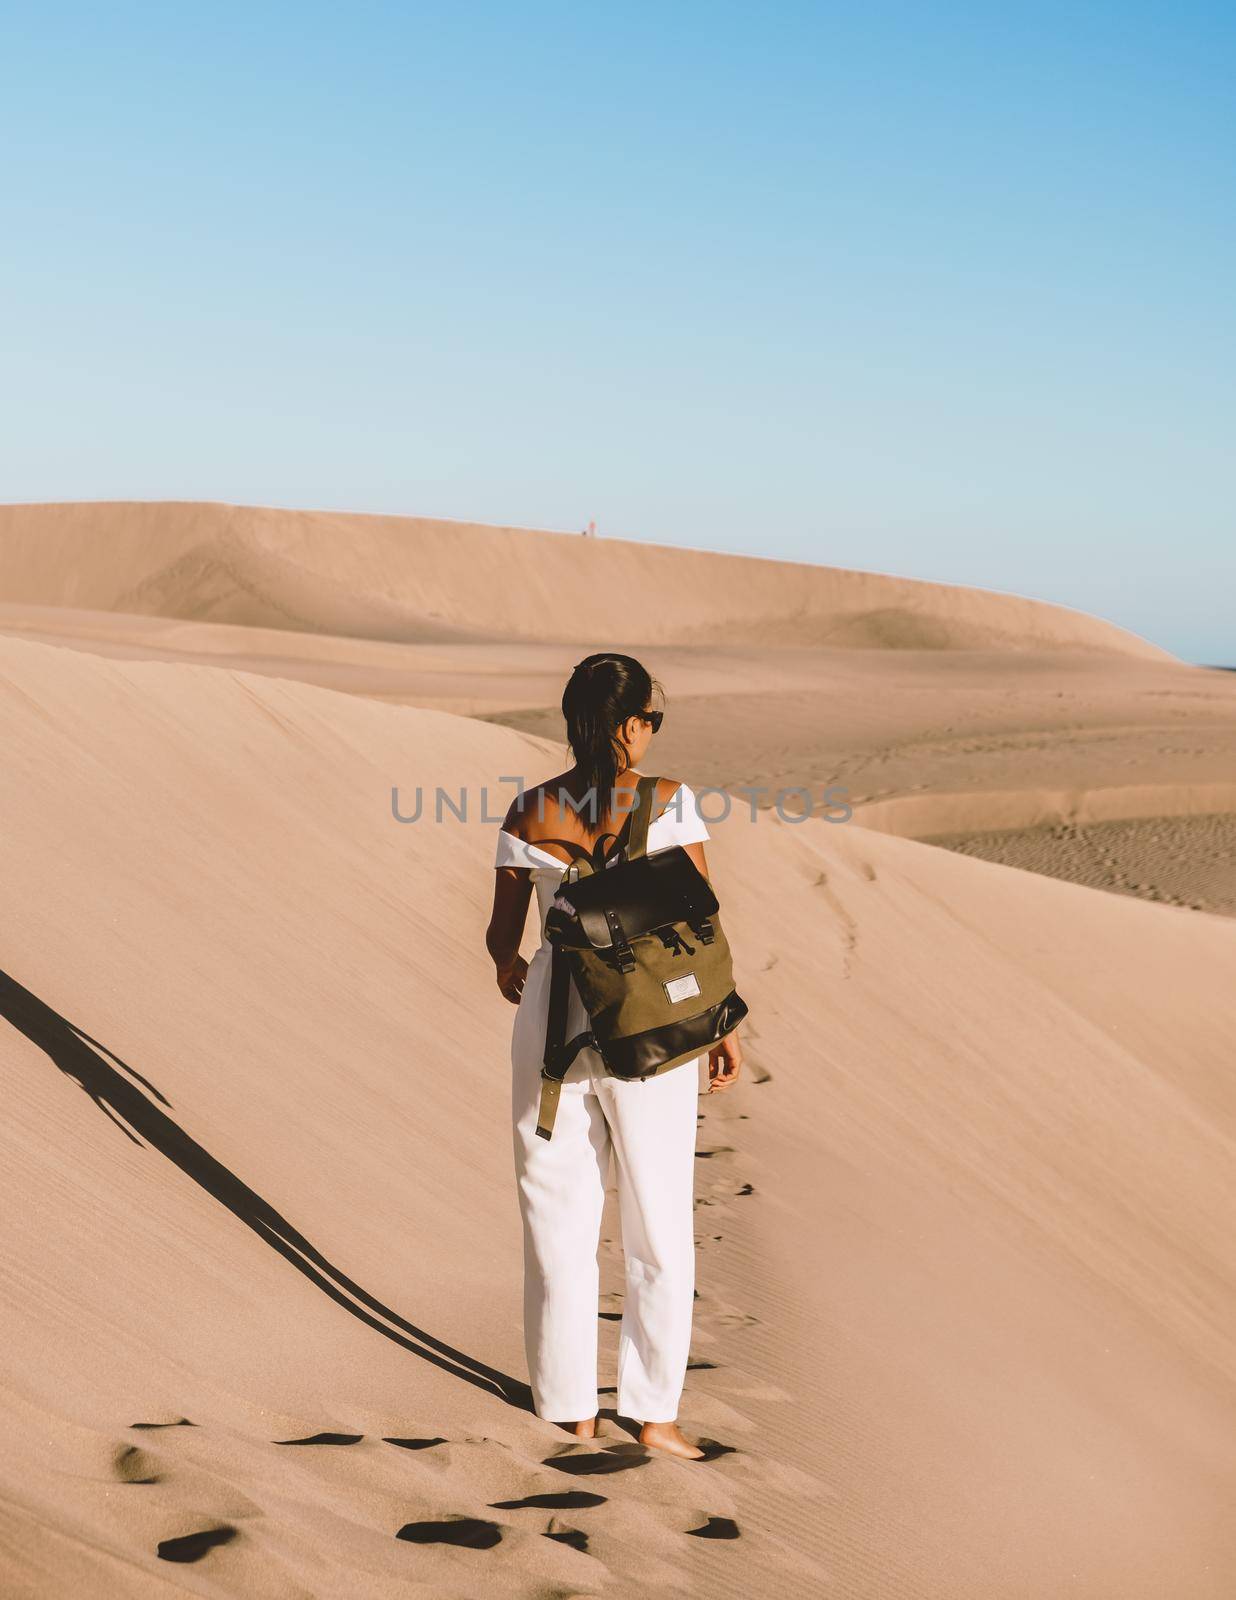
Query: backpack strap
[636, 826]
[559, 1051]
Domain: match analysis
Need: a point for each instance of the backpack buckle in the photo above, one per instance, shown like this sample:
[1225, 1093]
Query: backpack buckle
[623, 954]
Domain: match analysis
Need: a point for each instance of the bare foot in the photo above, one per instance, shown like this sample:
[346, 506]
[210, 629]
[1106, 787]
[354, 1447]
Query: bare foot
[665, 1436]
[587, 1429]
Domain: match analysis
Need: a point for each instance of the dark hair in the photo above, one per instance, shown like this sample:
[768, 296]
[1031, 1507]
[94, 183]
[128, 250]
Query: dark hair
[602, 692]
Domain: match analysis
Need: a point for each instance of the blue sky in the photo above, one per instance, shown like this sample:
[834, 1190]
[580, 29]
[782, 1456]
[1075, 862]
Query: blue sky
[941, 290]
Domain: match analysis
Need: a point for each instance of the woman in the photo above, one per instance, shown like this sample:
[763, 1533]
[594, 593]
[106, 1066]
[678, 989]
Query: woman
[648, 1125]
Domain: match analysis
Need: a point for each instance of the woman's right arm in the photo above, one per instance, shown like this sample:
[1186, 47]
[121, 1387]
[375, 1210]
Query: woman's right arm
[512, 892]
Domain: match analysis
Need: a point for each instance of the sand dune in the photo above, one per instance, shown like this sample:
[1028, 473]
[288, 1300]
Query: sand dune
[1186, 860]
[966, 1260]
[1016, 744]
[1066, 724]
[415, 579]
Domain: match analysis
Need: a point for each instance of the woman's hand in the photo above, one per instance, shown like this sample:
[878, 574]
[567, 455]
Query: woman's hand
[724, 1063]
[511, 977]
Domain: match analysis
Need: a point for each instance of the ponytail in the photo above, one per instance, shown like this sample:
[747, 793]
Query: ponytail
[601, 693]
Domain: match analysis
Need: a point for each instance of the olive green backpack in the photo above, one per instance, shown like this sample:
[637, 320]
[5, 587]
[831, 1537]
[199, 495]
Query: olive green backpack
[640, 936]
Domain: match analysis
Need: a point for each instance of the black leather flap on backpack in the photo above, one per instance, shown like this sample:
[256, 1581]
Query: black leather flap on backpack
[646, 893]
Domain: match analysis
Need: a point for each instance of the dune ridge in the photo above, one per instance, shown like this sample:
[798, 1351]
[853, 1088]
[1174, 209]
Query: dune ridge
[966, 1264]
[420, 579]
[961, 811]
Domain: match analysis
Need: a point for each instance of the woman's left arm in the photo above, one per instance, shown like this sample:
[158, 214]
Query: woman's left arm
[696, 851]
[725, 1057]
[512, 892]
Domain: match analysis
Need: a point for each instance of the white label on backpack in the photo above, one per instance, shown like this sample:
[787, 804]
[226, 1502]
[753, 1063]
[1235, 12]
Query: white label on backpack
[682, 988]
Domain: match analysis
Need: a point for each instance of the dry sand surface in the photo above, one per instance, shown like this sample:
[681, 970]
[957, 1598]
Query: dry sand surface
[966, 1256]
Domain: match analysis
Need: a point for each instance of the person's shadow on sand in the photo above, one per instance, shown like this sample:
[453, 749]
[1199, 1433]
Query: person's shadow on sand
[138, 1117]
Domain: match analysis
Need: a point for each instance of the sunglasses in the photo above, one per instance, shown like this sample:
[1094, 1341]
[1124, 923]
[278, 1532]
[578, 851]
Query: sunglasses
[654, 717]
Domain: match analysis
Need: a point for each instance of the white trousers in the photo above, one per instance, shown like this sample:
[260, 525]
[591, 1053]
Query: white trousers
[648, 1127]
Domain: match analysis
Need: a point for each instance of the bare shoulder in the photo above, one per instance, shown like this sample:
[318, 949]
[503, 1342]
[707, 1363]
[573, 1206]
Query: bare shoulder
[531, 807]
[520, 811]
[667, 788]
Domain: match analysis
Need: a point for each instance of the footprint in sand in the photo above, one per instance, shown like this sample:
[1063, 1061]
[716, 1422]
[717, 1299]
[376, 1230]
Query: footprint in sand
[596, 1463]
[193, 1546]
[324, 1438]
[564, 1500]
[472, 1532]
[716, 1528]
[730, 1317]
[181, 1422]
[575, 1537]
[415, 1444]
[132, 1465]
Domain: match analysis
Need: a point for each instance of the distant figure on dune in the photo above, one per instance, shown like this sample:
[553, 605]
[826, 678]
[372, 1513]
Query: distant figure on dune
[590, 532]
[647, 1124]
